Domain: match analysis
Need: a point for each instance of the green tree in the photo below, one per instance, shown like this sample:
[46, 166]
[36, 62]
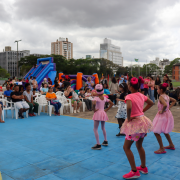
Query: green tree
[168, 68]
[152, 69]
[4, 73]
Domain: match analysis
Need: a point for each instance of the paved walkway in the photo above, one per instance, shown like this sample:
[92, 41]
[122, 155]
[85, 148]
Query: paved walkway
[57, 148]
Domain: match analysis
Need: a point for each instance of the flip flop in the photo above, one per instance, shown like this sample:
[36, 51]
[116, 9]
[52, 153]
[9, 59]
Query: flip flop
[171, 148]
[162, 152]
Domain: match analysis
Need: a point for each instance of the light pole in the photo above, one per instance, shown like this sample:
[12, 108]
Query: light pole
[17, 56]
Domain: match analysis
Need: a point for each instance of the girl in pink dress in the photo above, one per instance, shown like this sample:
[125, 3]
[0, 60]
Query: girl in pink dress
[164, 121]
[136, 127]
[100, 115]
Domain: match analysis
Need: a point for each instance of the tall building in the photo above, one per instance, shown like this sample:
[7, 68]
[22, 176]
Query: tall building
[111, 52]
[7, 48]
[88, 57]
[161, 63]
[62, 47]
[8, 60]
[156, 61]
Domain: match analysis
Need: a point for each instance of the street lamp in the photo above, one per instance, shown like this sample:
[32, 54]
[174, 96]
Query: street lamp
[17, 55]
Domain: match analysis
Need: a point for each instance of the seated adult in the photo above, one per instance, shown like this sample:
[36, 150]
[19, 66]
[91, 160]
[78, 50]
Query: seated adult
[45, 82]
[34, 82]
[56, 80]
[49, 81]
[86, 100]
[60, 82]
[17, 97]
[66, 82]
[71, 94]
[8, 92]
[28, 96]
[1, 108]
[20, 82]
[21, 89]
[44, 90]
[90, 83]
[62, 88]
[51, 96]
[56, 88]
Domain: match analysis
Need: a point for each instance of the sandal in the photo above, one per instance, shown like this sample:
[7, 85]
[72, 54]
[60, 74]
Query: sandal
[160, 152]
[168, 147]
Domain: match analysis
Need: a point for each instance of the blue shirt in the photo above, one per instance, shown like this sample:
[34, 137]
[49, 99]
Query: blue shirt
[106, 91]
[8, 93]
[44, 89]
[121, 81]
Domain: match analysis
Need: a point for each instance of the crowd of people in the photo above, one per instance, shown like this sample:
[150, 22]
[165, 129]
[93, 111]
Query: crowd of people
[128, 94]
[133, 124]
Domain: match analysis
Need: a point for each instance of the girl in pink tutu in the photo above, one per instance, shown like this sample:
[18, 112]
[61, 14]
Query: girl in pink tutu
[164, 121]
[135, 127]
[100, 115]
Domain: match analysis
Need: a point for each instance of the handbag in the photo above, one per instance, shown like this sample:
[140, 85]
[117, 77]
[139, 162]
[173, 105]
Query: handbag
[54, 101]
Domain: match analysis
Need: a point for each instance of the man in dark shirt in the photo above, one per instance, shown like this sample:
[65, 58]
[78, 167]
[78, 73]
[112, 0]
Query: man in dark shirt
[17, 98]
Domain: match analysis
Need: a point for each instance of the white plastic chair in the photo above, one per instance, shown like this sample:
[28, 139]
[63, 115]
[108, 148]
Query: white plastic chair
[42, 101]
[17, 110]
[59, 93]
[65, 103]
[83, 104]
[50, 107]
[6, 108]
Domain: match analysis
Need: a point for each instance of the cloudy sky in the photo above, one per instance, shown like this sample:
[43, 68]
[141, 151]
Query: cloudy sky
[144, 29]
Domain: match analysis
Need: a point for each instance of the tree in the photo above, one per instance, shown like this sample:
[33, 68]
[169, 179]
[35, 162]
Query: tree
[152, 69]
[4, 73]
[122, 70]
[168, 68]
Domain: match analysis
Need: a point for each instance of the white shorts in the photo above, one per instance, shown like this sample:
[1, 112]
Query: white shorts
[22, 104]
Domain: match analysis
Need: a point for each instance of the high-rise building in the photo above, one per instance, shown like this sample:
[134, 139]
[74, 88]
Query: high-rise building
[111, 52]
[7, 48]
[88, 57]
[62, 47]
[8, 60]
[156, 61]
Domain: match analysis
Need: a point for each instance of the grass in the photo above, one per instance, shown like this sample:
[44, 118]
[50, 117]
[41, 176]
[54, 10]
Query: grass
[176, 84]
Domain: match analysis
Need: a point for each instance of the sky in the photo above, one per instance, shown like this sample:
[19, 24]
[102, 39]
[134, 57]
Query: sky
[144, 29]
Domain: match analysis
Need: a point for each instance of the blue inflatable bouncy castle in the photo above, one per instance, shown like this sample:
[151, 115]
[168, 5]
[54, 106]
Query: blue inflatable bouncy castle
[45, 68]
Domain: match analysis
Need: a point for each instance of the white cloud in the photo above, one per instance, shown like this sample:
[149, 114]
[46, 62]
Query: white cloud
[143, 29]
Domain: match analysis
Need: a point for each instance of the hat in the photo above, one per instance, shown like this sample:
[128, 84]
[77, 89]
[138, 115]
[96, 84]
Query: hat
[99, 89]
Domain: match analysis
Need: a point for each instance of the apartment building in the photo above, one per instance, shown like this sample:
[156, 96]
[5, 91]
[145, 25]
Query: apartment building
[111, 52]
[62, 47]
[8, 59]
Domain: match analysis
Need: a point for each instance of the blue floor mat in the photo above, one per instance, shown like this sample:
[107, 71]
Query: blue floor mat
[58, 148]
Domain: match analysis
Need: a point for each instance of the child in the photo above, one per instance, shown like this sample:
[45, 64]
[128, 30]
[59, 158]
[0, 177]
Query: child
[136, 126]
[164, 121]
[121, 113]
[100, 115]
